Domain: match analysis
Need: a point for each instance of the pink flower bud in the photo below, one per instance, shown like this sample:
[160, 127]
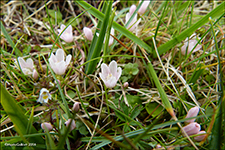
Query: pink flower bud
[143, 7]
[192, 128]
[35, 74]
[193, 112]
[200, 137]
[126, 84]
[73, 124]
[76, 107]
[132, 9]
[88, 33]
[46, 125]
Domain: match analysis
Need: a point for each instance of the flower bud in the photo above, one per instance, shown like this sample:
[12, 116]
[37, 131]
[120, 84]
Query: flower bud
[132, 9]
[35, 74]
[88, 33]
[76, 107]
[126, 84]
[192, 128]
[143, 7]
[47, 126]
[73, 124]
[200, 137]
[193, 112]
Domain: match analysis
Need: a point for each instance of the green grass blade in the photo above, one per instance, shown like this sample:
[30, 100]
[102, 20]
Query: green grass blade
[17, 51]
[162, 93]
[216, 138]
[215, 13]
[97, 49]
[17, 116]
[115, 25]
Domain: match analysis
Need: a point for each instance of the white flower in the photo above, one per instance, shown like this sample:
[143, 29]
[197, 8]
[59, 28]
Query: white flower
[57, 62]
[44, 96]
[143, 7]
[88, 33]
[27, 67]
[134, 21]
[110, 74]
[192, 43]
[67, 35]
[73, 124]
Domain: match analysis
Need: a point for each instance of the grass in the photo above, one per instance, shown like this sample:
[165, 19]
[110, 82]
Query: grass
[163, 83]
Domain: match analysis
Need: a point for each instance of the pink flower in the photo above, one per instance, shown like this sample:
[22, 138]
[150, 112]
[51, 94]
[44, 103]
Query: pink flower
[134, 21]
[57, 62]
[76, 107]
[46, 125]
[143, 7]
[72, 126]
[27, 67]
[200, 137]
[191, 45]
[193, 112]
[88, 33]
[67, 35]
[110, 74]
[192, 128]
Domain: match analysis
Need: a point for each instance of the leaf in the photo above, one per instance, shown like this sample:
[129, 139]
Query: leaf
[71, 94]
[81, 127]
[17, 116]
[152, 109]
[54, 14]
[133, 100]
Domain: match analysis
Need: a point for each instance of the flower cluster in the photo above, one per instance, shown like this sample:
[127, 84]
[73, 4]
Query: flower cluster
[193, 127]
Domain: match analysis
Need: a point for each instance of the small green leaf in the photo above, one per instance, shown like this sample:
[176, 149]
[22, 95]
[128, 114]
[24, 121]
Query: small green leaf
[153, 110]
[71, 94]
[81, 127]
[55, 14]
[133, 100]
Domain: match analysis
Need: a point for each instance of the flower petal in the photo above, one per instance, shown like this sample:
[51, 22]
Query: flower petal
[113, 68]
[132, 9]
[22, 62]
[59, 55]
[68, 59]
[119, 72]
[105, 70]
[111, 82]
[30, 63]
